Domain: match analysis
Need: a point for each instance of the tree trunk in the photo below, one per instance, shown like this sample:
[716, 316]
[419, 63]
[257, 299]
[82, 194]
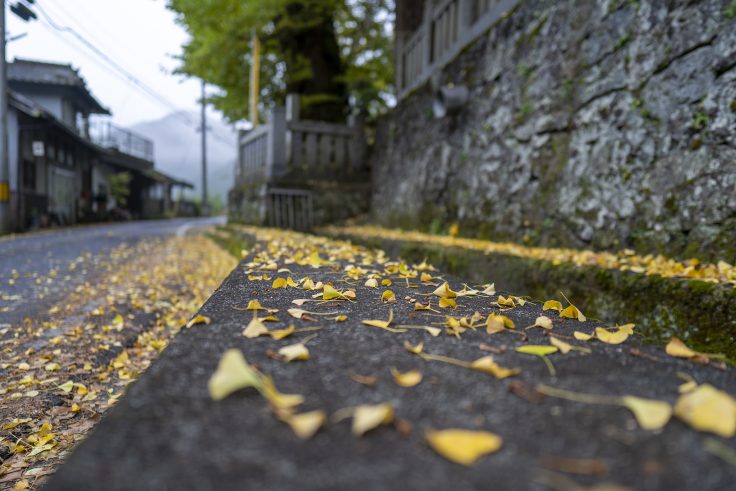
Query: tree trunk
[306, 35]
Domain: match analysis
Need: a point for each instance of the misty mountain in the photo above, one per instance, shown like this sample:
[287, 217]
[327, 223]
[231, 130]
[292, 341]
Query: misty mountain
[177, 151]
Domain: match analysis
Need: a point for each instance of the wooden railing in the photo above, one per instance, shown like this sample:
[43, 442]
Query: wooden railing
[447, 27]
[286, 148]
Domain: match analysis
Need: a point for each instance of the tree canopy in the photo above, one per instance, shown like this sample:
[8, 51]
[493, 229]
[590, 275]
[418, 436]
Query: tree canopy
[337, 54]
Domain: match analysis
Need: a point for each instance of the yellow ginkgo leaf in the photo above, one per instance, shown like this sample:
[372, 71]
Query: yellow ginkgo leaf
[255, 328]
[386, 282]
[293, 352]
[419, 306]
[67, 386]
[306, 425]
[708, 409]
[560, 345]
[489, 290]
[463, 446]
[279, 283]
[308, 284]
[537, 349]
[444, 291]
[340, 318]
[381, 324]
[487, 365]
[198, 319]
[552, 305]
[447, 303]
[283, 403]
[572, 312]
[388, 297]
[497, 323]
[678, 349]
[233, 373]
[407, 379]
[371, 283]
[329, 293]
[367, 417]
[297, 313]
[254, 305]
[649, 413]
[282, 333]
[615, 336]
[543, 321]
[425, 277]
[581, 336]
[506, 302]
[413, 349]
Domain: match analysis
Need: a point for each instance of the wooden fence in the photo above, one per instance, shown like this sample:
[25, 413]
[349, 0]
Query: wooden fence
[288, 148]
[447, 27]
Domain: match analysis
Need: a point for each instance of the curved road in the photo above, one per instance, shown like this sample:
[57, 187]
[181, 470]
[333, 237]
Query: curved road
[36, 269]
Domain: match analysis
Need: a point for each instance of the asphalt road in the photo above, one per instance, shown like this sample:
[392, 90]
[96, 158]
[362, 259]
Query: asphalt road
[37, 269]
[167, 433]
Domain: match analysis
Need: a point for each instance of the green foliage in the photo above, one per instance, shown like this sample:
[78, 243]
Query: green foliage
[730, 11]
[347, 43]
[120, 187]
[700, 121]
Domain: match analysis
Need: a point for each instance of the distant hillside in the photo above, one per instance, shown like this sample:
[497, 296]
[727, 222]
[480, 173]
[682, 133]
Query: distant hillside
[177, 149]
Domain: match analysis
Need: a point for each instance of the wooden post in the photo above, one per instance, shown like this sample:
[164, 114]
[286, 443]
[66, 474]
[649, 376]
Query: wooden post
[357, 143]
[276, 151]
[292, 116]
[428, 38]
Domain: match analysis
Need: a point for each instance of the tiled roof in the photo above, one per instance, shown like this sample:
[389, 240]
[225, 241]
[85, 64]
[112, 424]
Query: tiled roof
[47, 73]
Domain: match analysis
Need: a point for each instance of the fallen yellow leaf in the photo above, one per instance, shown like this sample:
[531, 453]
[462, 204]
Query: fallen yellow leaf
[306, 425]
[293, 352]
[552, 305]
[283, 333]
[649, 413]
[708, 409]
[463, 447]
[198, 319]
[413, 349]
[447, 303]
[255, 328]
[254, 305]
[487, 365]
[371, 283]
[367, 417]
[444, 291]
[388, 297]
[407, 379]
[572, 312]
[233, 373]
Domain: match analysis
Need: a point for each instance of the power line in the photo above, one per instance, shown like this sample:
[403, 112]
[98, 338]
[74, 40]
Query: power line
[121, 71]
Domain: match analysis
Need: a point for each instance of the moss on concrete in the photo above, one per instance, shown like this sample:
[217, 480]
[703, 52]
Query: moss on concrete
[698, 312]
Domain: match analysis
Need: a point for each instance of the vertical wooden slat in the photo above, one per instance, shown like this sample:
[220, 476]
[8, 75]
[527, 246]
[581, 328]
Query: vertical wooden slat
[311, 150]
[341, 156]
[328, 163]
[297, 150]
[291, 223]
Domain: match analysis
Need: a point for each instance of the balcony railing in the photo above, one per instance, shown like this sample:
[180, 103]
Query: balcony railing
[107, 135]
[447, 27]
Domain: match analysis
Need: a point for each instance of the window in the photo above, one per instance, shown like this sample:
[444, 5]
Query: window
[29, 175]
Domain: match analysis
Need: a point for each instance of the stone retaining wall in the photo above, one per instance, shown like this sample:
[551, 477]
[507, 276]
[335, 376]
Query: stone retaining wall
[605, 124]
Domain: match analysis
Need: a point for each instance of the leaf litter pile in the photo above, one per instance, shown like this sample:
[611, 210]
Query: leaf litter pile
[624, 260]
[442, 338]
[61, 373]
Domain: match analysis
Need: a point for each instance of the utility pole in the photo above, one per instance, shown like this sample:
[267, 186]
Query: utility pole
[255, 76]
[205, 203]
[4, 163]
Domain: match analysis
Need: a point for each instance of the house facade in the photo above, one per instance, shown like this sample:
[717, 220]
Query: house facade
[62, 164]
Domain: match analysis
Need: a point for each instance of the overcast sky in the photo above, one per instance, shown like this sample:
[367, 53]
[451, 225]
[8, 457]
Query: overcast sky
[140, 35]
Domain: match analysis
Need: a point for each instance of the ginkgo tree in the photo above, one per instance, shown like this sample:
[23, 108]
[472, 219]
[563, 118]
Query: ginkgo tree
[335, 53]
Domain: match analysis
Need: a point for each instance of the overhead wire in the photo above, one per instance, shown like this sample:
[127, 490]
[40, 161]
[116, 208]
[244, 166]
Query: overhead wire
[123, 73]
